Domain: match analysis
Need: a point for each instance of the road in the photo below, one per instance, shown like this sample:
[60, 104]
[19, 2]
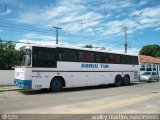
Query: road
[139, 97]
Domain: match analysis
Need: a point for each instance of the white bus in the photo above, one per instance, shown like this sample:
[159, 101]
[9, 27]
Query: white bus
[57, 67]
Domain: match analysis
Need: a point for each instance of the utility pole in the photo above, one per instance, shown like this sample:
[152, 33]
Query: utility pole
[81, 24]
[57, 28]
[125, 39]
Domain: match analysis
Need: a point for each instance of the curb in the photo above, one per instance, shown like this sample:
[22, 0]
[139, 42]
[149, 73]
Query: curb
[15, 90]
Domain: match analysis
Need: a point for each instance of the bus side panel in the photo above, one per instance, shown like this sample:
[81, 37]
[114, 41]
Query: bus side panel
[104, 78]
[41, 79]
[71, 79]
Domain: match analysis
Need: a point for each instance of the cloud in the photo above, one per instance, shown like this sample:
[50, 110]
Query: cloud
[66, 14]
[1, 30]
[144, 2]
[36, 36]
[133, 51]
[49, 43]
[24, 42]
[116, 27]
[149, 18]
[147, 12]
[157, 29]
[69, 14]
[45, 39]
[8, 11]
[120, 4]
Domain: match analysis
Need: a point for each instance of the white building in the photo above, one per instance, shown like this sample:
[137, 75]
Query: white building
[148, 63]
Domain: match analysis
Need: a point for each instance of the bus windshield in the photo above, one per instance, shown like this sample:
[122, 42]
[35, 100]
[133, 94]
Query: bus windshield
[25, 57]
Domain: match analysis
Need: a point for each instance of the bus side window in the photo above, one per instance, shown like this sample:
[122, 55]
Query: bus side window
[125, 59]
[122, 59]
[43, 57]
[67, 55]
[118, 59]
[102, 58]
[134, 60]
[86, 56]
[114, 58]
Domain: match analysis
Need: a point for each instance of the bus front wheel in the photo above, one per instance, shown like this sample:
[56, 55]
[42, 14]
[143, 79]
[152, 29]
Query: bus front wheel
[56, 85]
[118, 81]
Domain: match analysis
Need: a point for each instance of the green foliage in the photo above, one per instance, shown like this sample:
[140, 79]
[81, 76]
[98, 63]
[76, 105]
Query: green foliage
[150, 50]
[88, 46]
[9, 56]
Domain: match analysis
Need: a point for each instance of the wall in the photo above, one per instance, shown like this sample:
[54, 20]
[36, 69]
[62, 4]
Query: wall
[6, 77]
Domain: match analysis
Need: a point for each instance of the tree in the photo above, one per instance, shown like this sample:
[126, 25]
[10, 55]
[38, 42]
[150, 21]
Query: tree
[9, 56]
[150, 50]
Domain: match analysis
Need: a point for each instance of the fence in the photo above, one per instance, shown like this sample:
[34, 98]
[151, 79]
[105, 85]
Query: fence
[6, 77]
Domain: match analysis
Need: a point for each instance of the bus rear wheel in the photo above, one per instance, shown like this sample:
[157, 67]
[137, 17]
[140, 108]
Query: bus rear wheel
[126, 80]
[118, 81]
[56, 85]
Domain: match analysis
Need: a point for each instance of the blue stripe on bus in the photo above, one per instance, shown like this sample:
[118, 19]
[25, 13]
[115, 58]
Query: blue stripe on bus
[26, 84]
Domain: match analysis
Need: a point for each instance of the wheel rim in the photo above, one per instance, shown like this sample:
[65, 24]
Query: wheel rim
[56, 85]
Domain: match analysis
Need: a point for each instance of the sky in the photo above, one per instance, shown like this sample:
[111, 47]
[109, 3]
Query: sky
[100, 23]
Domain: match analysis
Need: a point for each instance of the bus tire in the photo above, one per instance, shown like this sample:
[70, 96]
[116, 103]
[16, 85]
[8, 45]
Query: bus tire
[56, 84]
[126, 80]
[118, 81]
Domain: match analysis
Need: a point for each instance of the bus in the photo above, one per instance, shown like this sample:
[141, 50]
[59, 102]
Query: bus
[57, 67]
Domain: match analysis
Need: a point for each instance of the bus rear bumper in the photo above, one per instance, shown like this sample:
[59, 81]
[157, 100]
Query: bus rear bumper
[25, 84]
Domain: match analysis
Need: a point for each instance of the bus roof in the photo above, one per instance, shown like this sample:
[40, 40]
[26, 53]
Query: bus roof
[75, 47]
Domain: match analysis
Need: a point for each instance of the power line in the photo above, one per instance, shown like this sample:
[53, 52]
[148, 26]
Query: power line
[21, 28]
[34, 29]
[17, 29]
[38, 29]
